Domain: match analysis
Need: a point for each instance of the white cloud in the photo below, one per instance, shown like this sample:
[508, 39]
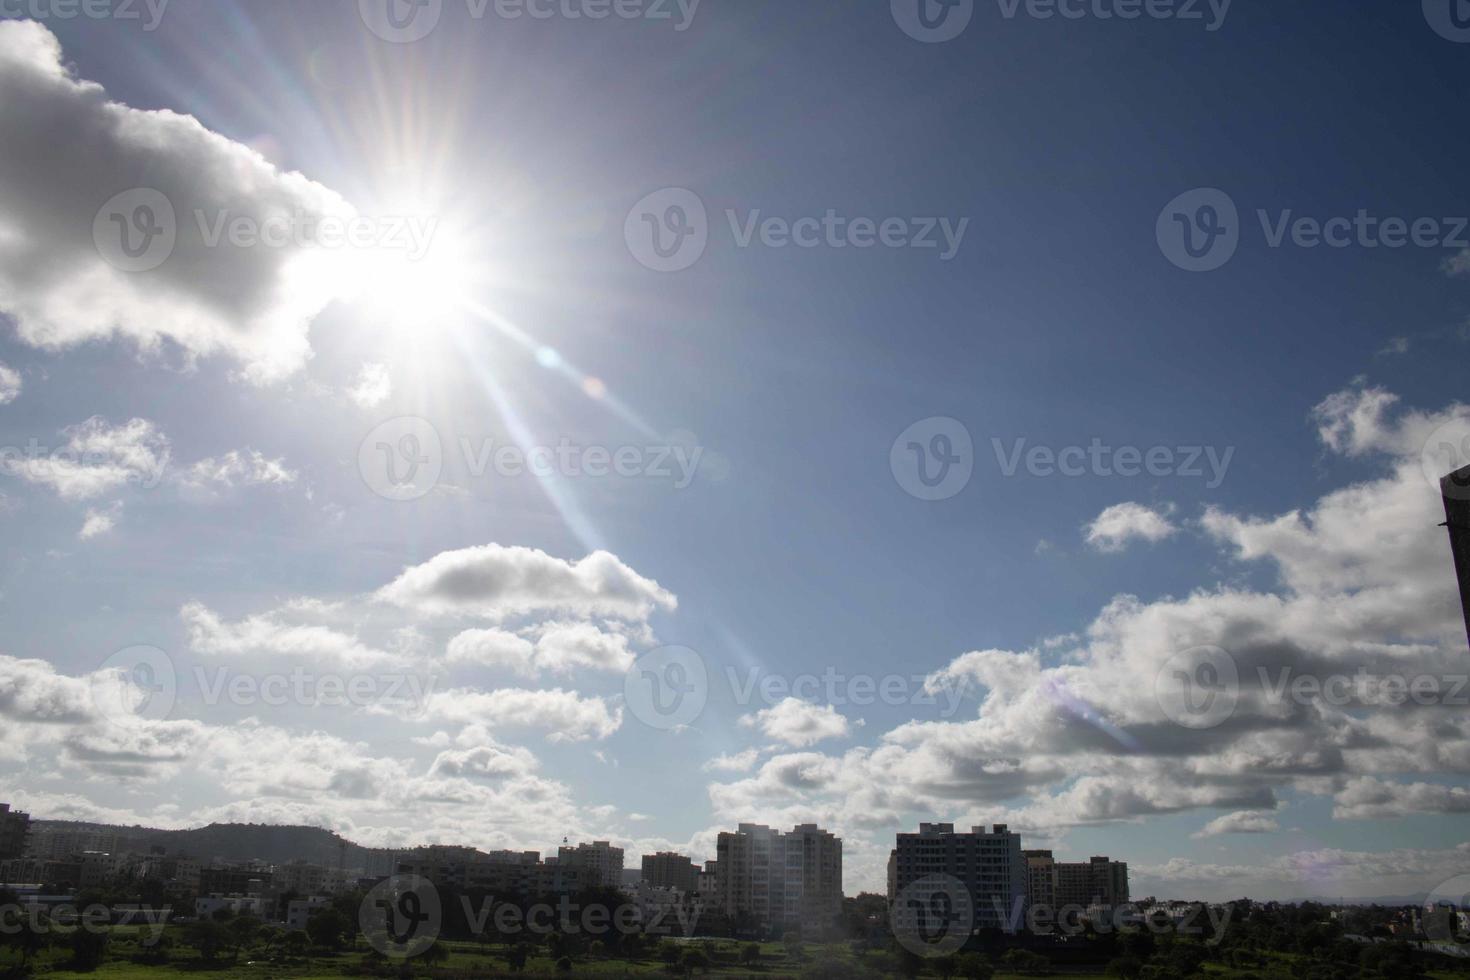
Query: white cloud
[10, 384]
[1120, 524]
[559, 647]
[1075, 736]
[373, 386]
[65, 724]
[238, 468]
[496, 582]
[1239, 822]
[98, 458]
[798, 722]
[271, 635]
[493, 648]
[252, 304]
[565, 715]
[565, 648]
[100, 522]
[56, 734]
[1368, 798]
[484, 762]
[1458, 264]
[737, 762]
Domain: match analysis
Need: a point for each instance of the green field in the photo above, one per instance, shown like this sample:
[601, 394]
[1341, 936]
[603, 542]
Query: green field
[464, 960]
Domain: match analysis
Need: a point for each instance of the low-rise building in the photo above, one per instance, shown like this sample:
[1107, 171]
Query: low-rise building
[503, 873]
[205, 906]
[300, 910]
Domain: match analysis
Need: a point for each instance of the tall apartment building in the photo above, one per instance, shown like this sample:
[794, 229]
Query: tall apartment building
[14, 825]
[779, 881]
[1456, 489]
[708, 882]
[1041, 878]
[990, 866]
[669, 870]
[1058, 884]
[601, 864]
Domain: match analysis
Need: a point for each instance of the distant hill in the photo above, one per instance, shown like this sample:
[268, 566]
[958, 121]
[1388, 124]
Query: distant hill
[234, 842]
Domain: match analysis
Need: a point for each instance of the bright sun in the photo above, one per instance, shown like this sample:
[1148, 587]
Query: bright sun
[421, 287]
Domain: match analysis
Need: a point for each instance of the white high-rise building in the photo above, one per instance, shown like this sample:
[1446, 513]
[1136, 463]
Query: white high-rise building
[779, 881]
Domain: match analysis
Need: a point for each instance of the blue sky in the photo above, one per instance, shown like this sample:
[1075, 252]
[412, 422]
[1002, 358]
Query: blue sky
[1059, 319]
